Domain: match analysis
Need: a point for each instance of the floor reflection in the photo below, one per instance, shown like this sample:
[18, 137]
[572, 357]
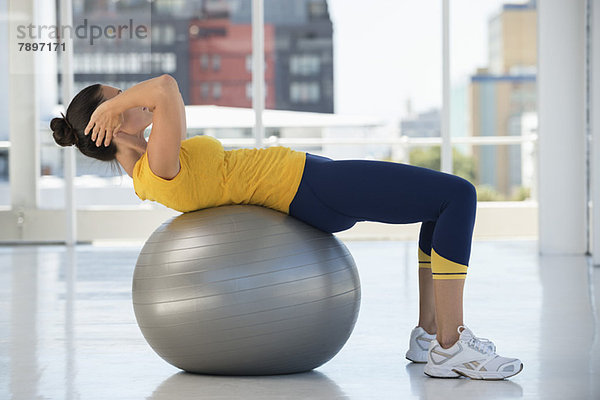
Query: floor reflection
[24, 320]
[568, 350]
[310, 385]
[426, 388]
[67, 330]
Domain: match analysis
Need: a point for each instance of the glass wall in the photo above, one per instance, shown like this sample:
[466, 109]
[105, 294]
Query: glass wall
[384, 61]
[493, 52]
[377, 62]
[123, 55]
[357, 71]
[197, 42]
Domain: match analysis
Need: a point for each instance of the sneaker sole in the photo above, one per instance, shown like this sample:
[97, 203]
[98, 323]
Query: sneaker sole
[489, 376]
[436, 372]
[456, 373]
[442, 377]
[414, 357]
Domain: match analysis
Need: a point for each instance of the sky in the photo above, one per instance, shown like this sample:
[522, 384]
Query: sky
[389, 51]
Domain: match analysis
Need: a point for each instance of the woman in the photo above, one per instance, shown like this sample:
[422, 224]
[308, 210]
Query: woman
[189, 174]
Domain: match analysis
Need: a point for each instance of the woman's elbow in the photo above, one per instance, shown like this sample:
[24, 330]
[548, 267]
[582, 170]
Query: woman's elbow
[168, 82]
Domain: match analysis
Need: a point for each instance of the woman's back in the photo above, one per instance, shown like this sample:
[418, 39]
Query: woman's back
[211, 177]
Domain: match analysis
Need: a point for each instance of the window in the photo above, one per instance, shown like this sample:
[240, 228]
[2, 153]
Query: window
[217, 90]
[122, 62]
[384, 58]
[156, 62]
[304, 92]
[169, 62]
[205, 89]
[135, 62]
[249, 63]
[249, 90]
[145, 61]
[155, 33]
[79, 63]
[216, 62]
[493, 93]
[111, 63]
[168, 35]
[304, 64]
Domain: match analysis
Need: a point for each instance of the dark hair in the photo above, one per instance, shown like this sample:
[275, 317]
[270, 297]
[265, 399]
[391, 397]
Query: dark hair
[68, 130]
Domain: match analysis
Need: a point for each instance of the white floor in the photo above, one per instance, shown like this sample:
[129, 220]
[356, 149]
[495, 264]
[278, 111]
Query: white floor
[67, 330]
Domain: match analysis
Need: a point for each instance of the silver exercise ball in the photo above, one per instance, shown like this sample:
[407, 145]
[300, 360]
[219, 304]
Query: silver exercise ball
[245, 290]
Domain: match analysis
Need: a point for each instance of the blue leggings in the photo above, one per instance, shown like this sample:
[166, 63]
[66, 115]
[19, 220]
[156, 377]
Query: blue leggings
[335, 194]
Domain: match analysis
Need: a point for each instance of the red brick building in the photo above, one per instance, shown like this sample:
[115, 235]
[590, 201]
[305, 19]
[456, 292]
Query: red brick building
[221, 63]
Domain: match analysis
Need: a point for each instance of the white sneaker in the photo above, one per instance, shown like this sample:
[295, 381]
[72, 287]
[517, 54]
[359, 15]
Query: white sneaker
[418, 345]
[470, 356]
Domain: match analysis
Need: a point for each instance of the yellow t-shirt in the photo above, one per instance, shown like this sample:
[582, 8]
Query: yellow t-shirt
[211, 177]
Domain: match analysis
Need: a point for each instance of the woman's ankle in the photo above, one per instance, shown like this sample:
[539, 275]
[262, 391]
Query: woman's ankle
[430, 329]
[447, 342]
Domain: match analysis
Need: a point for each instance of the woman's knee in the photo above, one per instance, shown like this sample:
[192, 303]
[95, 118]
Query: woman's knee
[463, 191]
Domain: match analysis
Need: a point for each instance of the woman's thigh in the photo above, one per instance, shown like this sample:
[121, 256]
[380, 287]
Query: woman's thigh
[370, 190]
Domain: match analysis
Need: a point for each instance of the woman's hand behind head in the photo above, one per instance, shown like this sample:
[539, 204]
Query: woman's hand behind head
[69, 130]
[103, 124]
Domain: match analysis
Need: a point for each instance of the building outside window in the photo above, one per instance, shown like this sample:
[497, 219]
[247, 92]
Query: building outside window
[168, 35]
[205, 89]
[169, 62]
[249, 90]
[304, 92]
[249, 62]
[216, 62]
[304, 64]
[216, 90]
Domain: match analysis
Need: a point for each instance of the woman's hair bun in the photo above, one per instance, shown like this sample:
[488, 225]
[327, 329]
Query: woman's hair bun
[63, 132]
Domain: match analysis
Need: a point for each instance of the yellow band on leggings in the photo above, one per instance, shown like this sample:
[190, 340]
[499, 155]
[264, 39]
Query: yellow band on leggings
[442, 268]
[424, 259]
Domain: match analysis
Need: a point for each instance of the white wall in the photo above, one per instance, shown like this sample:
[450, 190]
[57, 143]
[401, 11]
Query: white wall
[595, 125]
[3, 70]
[561, 107]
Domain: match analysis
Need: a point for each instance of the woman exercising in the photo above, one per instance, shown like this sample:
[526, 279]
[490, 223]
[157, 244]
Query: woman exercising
[191, 174]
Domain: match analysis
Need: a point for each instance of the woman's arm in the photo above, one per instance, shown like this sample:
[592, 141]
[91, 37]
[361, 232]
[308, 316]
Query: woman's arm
[168, 130]
[161, 96]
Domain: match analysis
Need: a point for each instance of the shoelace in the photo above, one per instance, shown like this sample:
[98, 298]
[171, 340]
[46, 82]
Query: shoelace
[482, 345]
